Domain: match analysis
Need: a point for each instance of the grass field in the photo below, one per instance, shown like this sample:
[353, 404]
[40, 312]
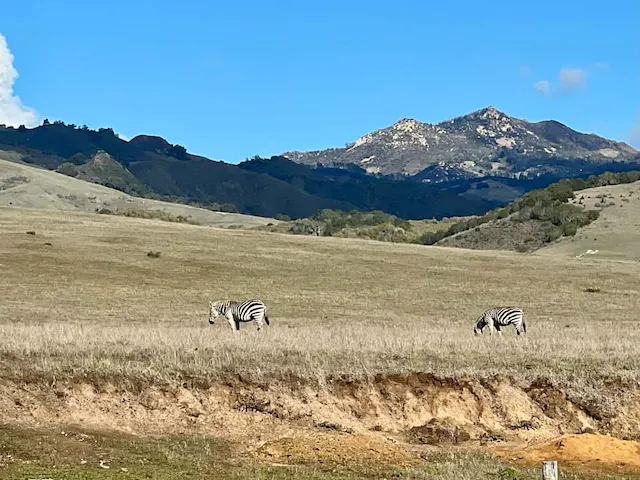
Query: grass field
[82, 301]
[93, 303]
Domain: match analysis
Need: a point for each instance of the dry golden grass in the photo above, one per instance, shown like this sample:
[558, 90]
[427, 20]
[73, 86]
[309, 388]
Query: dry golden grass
[615, 234]
[94, 304]
[26, 186]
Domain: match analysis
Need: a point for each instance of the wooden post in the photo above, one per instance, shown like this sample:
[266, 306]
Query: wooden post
[550, 470]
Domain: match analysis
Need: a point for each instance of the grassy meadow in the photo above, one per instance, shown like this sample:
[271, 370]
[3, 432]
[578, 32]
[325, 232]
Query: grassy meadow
[81, 298]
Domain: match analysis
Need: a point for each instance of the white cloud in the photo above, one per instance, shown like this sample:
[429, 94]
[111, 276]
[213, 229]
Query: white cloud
[543, 86]
[12, 111]
[572, 78]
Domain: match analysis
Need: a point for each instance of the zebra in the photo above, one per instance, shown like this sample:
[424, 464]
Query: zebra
[498, 317]
[236, 312]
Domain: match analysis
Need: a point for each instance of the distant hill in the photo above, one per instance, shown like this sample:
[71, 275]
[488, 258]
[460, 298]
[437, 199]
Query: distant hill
[572, 215]
[565, 213]
[149, 166]
[483, 143]
[30, 187]
[409, 200]
[616, 232]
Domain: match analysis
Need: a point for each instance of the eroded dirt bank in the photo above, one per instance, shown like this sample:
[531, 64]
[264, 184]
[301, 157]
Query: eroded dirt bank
[391, 416]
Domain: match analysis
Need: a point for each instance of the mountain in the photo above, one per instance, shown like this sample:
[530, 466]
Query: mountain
[149, 166]
[486, 142]
[503, 159]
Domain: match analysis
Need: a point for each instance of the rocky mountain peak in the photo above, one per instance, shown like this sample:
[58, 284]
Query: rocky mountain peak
[483, 142]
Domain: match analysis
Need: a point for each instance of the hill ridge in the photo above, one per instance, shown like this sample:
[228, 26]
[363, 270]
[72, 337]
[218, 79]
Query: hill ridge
[472, 145]
[25, 186]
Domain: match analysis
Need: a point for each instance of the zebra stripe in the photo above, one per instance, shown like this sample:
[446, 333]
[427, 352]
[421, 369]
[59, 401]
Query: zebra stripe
[497, 317]
[236, 312]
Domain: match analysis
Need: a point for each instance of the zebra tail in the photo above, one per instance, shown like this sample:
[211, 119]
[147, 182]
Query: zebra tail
[524, 325]
[266, 319]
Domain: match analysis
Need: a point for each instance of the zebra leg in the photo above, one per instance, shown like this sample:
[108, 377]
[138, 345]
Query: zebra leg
[232, 321]
[259, 321]
[491, 327]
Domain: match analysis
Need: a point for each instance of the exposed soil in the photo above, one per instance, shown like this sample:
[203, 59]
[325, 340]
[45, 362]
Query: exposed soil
[592, 452]
[385, 421]
[346, 450]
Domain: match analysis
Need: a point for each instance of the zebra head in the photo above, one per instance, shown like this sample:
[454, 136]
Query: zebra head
[214, 311]
[481, 322]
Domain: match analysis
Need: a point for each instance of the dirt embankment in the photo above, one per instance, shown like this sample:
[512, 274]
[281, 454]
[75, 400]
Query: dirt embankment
[346, 418]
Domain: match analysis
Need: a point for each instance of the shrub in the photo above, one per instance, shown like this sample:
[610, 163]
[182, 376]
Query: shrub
[569, 230]
[150, 214]
[68, 169]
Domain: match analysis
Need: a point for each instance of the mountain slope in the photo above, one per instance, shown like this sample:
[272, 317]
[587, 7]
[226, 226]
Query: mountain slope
[484, 142]
[150, 166]
[616, 232]
[30, 187]
[560, 214]
[410, 200]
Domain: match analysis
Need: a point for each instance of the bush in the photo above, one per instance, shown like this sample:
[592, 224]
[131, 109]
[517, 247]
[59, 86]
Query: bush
[569, 230]
[376, 225]
[150, 214]
[68, 169]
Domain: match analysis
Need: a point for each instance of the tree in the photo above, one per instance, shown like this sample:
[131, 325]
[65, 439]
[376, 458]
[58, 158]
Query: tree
[177, 151]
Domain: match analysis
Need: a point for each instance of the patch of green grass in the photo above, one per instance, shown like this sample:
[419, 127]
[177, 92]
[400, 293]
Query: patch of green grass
[74, 453]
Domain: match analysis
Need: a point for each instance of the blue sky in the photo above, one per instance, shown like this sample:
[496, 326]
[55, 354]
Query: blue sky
[233, 79]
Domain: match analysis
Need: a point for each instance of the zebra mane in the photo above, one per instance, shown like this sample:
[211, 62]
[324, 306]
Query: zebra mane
[221, 303]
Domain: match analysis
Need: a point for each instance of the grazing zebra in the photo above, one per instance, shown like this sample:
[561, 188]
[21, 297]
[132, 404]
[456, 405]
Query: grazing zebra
[498, 317]
[236, 312]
